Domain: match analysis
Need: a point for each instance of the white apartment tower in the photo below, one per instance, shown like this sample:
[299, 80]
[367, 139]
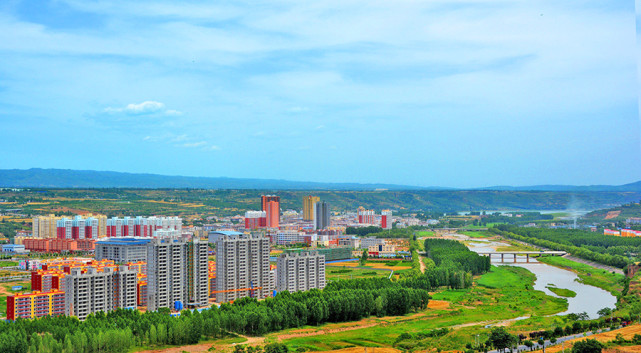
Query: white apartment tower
[177, 271]
[300, 271]
[92, 291]
[242, 267]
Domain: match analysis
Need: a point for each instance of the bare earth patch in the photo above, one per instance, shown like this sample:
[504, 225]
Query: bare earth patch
[612, 214]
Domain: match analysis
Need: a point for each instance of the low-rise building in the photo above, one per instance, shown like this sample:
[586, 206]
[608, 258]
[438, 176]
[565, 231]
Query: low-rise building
[371, 241]
[122, 250]
[35, 304]
[14, 249]
[381, 251]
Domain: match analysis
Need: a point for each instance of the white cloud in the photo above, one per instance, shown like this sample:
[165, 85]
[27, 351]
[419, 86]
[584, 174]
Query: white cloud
[144, 108]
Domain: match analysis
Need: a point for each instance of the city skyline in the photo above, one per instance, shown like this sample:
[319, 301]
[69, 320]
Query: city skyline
[509, 92]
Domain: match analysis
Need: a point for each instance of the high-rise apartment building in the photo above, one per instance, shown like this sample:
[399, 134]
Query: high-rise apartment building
[266, 198]
[300, 271]
[271, 205]
[386, 219]
[273, 214]
[93, 290]
[255, 219]
[308, 207]
[176, 272]
[242, 267]
[366, 216]
[321, 215]
[44, 226]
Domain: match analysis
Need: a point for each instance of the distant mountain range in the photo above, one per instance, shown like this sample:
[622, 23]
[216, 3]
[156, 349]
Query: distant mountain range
[634, 187]
[67, 178]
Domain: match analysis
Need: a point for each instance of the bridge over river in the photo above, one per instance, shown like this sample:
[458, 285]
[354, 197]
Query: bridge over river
[527, 254]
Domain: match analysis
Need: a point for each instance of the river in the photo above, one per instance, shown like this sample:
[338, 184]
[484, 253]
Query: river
[588, 299]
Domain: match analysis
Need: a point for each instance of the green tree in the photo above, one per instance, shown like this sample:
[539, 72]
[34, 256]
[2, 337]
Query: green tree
[501, 339]
[153, 335]
[364, 257]
[604, 312]
[587, 346]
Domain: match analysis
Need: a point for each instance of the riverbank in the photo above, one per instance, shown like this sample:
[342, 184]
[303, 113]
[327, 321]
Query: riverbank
[611, 282]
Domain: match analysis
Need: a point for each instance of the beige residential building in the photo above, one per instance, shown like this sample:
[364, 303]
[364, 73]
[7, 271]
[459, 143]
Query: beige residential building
[308, 207]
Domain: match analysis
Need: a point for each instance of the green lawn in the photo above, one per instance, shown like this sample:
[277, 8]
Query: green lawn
[8, 263]
[479, 234]
[339, 272]
[612, 282]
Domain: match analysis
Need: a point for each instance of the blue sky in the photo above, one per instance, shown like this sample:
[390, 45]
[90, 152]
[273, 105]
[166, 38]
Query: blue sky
[447, 93]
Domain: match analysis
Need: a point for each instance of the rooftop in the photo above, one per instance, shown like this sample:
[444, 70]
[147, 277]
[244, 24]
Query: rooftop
[125, 241]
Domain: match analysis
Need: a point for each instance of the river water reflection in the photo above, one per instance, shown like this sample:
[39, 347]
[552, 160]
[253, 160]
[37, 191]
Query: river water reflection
[588, 299]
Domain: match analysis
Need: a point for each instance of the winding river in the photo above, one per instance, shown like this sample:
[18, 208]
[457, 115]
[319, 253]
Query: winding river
[588, 299]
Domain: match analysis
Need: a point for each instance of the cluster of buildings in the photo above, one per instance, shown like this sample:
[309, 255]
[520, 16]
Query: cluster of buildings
[151, 263]
[164, 272]
[267, 217]
[62, 234]
[314, 211]
[97, 226]
[52, 226]
[622, 232]
[172, 272]
[369, 217]
[77, 287]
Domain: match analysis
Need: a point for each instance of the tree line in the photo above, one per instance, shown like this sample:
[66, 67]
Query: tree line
[120, 330]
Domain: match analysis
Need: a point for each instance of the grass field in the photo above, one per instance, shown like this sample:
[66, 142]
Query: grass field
[376, 265]
[562, 292]
[503, 293]
[425, 233]
[481, 234]
[612, 282]
[333, 273]
[8, 263]
[5, 290]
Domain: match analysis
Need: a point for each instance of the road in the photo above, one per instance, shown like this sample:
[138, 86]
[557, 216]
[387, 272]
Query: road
[547, 343]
